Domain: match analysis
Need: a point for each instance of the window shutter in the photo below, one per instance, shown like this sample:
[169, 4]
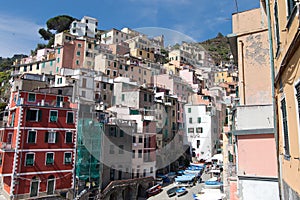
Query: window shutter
[46, 137]
[27, 115]
[56, 137]
[40, 116]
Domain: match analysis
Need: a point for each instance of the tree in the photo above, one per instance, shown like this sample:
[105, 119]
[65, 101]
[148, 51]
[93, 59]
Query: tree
[55, 25]
[59, 23]
[46, 35]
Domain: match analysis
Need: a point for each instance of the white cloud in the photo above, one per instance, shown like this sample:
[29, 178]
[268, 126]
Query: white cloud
[17, 35]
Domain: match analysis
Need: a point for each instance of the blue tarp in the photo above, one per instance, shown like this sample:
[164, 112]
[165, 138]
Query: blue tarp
[185, 178]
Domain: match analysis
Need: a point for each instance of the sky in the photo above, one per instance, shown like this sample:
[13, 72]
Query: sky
[198, 20]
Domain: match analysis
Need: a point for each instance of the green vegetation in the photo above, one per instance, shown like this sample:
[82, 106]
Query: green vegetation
[218, 48]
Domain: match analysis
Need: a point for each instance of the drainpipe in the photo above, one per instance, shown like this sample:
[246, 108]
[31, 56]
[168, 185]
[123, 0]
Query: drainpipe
[274, 98]
[243, 71]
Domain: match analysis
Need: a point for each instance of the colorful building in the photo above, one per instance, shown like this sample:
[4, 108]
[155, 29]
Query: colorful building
[253, 117]
[285, 34]
[38, 142]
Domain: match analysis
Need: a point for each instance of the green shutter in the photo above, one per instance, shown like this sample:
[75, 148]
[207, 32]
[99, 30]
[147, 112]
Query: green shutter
[56, 137]
[28, 115]
[40, 115]
[46, 137]
[69, 137]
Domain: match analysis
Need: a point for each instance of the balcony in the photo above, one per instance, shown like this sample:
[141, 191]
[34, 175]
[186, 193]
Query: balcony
[6, 146]
[148, 118]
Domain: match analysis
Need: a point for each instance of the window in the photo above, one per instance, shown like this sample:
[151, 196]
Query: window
[199, 120]
[191, 120]
[69, 137]
[83, 93]
[121, 67]
[198, 143]
[133, 139]
[199, 130]
[126, 68]
[140, 153]
[31, 137]
[133, 153]
[84, 82]
[111, 87]
[37, 66]
[57, 60]
[115, 73]
[53, 115]
[297, 87]
[121, 149]
[285, 128]
[140, 139]
[189, 110]
[31, 97]
[49, 158]
[276, 27]
[68, 158]
[51, 137]
[123, 97]
[79, 45]
[108, 72]
[33, 115]
[290, 4]
[121, 133]
[77, 62]
[112, 173]
[104, 86]
[70, 117]
[78, 53]
[29, 160]
[145, 97]
[9, 138]
[190, 130]
[1, 155]
[111, 149]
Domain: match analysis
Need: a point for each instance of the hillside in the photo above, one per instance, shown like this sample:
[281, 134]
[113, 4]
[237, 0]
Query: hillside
[218, 48]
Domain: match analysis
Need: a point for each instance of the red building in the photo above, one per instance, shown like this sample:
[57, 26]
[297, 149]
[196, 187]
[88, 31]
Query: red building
[38, 142]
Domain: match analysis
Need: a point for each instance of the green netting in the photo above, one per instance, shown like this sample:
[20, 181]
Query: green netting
[88, 149]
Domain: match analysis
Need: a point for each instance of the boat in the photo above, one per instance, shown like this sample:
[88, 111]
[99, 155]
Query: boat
[181, 191]
[153, 190]
[209, 194]
[213, 183]
[172, 192]
[186, 180]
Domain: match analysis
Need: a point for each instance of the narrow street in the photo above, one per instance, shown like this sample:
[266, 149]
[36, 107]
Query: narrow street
[188, 196]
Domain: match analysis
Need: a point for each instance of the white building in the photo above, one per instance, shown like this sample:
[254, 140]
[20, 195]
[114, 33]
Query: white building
[201, 129]
[114, 36]
[86, 27]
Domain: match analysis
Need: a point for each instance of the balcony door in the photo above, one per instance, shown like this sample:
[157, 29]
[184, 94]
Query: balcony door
[50, 185]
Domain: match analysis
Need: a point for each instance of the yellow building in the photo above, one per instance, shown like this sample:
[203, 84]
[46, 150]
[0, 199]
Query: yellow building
[285, 26]
[225, 77]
